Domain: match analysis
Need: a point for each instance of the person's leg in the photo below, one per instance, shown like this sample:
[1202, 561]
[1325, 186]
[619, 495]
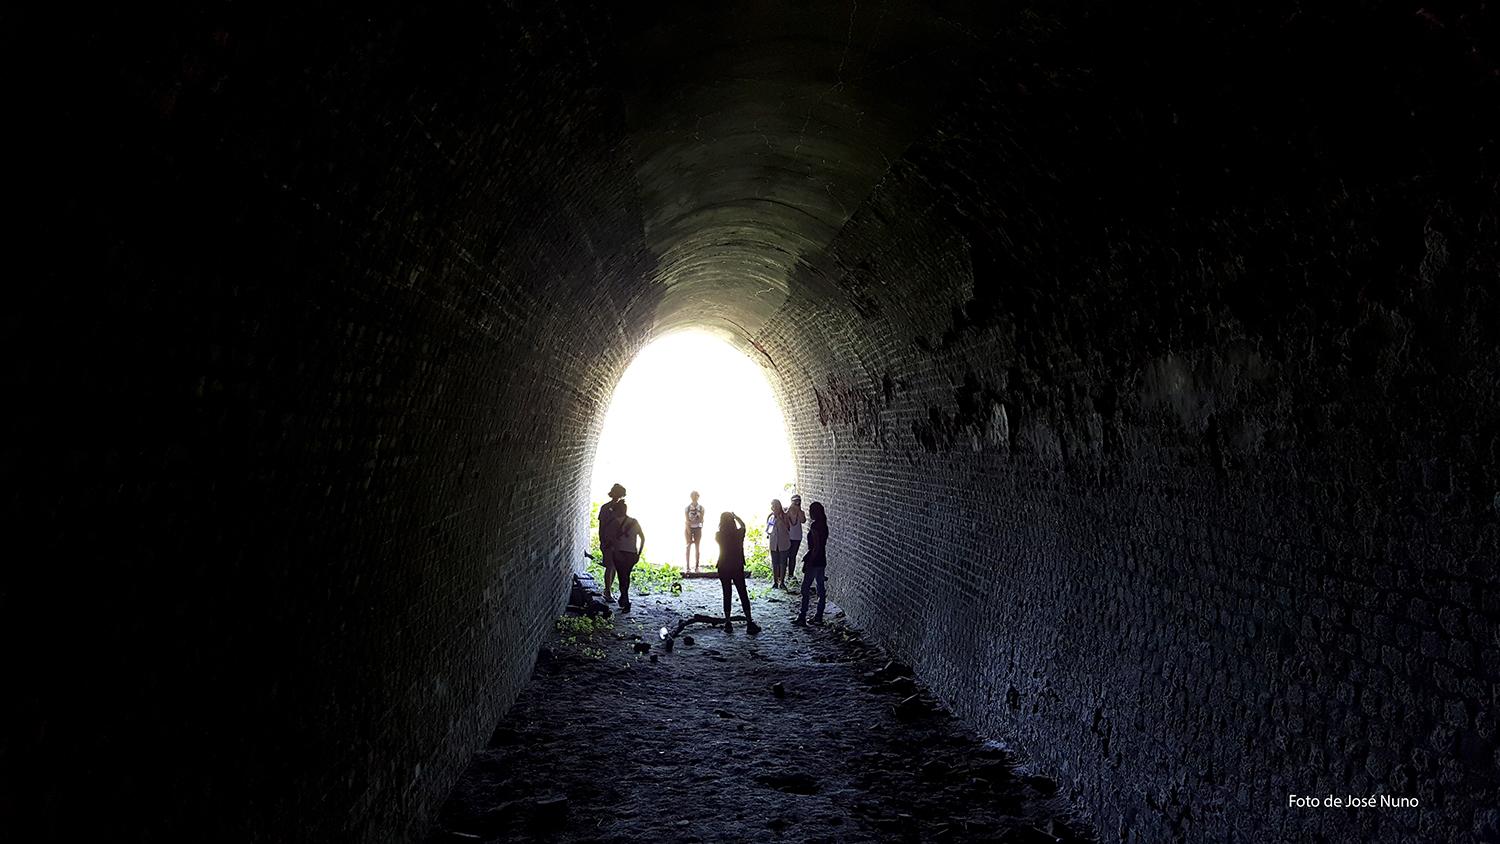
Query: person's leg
[806, 585]
[698, 549]
[725, 585]
[609, 577]
[624, 572]
[791, 561]
[778, 568]
[739, 583]
[750, 626]
[822, 591]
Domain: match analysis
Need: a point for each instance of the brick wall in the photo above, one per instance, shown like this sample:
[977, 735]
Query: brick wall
[1151, 394]
[309, 385]
[1157, 420]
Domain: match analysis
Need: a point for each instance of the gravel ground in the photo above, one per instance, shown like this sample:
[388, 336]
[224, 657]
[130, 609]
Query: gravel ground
[605, 745]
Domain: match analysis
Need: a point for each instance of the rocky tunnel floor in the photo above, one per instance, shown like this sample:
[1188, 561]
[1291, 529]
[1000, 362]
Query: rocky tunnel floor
[704, 745]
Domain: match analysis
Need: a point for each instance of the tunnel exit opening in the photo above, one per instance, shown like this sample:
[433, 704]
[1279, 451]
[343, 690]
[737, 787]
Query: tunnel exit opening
[693, 414]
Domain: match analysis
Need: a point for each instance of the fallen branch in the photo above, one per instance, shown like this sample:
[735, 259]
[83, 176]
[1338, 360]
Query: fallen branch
[700, 618]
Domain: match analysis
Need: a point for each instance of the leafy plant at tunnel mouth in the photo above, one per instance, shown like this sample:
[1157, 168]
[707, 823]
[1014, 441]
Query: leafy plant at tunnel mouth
[650, 578]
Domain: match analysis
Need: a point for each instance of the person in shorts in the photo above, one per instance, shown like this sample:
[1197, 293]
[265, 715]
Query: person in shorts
[609, 534]
[692, 531]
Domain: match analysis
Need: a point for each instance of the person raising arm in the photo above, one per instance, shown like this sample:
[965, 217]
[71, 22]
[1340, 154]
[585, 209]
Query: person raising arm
[731, 539]
[795, 519]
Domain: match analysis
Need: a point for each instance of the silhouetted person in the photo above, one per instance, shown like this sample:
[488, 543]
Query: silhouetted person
[731, 539]
[629, 544]
[795, 518]
[609, 534]
[815, 562]
[778, 537]
[692, 531]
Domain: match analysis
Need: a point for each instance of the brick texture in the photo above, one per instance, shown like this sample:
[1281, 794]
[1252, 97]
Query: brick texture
[327, 341]
[1179, 467]
[1145, 359]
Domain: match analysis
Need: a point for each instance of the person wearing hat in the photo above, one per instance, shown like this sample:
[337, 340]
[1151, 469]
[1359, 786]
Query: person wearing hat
[609, 536]
[795, 518]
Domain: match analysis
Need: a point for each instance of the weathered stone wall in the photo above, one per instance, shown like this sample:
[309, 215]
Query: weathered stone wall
[1152, 393]
[1156, 415]
[331, 317]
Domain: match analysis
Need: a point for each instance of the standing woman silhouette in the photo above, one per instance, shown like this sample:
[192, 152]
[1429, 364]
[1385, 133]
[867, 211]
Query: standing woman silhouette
[816, 561]
[779, 538]
[628, 547]
[731, 539]
[795, 519]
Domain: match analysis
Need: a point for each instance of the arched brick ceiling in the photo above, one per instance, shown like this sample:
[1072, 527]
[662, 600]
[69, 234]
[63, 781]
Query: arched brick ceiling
[1138, 352]
[758, 129]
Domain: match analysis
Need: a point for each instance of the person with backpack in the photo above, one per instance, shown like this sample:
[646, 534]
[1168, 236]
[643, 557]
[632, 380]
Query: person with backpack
[815, 563]
[731, 539]
[609, 533]
[629, 543]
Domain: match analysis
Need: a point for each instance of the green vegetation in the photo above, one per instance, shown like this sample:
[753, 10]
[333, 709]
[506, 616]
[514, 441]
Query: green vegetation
[645, 579]
[648, 577]
[578, 634]
[757, 553]
[571, 627]
[594, 554]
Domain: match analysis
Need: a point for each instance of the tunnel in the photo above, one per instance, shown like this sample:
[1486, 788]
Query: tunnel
[1144, 356]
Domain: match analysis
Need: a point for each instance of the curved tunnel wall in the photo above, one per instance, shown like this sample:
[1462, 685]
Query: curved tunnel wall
[1155, 410]
[317, 385]
[1179, 468]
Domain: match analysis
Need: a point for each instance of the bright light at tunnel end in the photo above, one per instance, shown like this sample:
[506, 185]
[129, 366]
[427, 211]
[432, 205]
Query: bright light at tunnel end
[693, 413]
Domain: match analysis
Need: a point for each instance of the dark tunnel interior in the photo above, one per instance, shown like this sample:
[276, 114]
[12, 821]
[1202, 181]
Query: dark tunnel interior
[1171, 326]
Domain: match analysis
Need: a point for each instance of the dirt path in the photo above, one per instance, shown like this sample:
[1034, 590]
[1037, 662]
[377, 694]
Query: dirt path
[698, 746]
